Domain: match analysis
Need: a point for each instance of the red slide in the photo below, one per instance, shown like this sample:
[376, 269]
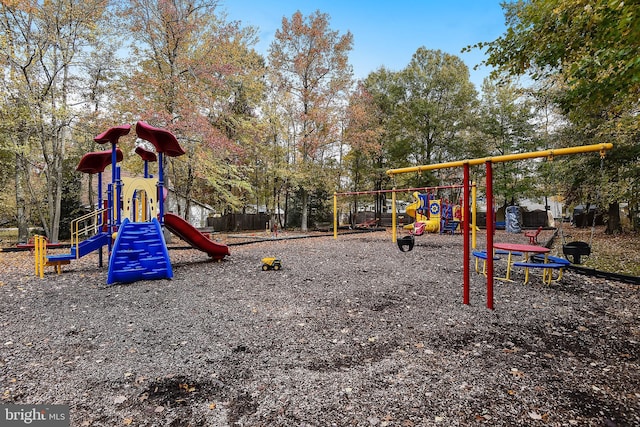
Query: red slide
[191, 235]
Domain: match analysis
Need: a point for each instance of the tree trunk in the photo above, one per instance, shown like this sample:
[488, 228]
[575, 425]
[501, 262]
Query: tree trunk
[188, 188]
[21, 217]
[355, 211]
[57, 191]
[286, 209]
[613, 223]
[304, 220]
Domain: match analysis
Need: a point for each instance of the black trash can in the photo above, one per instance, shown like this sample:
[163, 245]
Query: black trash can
[574, 251]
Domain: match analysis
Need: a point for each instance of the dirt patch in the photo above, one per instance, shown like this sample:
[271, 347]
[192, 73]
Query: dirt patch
[350, 332]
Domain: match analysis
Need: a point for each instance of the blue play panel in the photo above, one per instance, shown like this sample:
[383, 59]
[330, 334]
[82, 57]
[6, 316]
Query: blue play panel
[139, 253]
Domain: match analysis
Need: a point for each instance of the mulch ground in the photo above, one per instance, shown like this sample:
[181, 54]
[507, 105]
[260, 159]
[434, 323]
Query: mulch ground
[351, 332]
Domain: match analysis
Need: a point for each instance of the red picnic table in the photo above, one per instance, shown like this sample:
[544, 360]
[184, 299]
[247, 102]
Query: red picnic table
[515, 249]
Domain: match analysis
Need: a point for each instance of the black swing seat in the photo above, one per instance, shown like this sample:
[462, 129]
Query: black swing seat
[405, 244]
[574, 251]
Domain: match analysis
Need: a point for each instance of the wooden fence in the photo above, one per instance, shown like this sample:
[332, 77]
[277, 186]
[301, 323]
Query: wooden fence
[238, 222]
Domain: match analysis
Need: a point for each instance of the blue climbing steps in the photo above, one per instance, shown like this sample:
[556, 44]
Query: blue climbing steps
[139, 253]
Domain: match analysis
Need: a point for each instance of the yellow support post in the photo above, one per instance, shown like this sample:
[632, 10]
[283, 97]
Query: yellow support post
[335, 215]
[35, 257]
[40, 253]
[394, 232]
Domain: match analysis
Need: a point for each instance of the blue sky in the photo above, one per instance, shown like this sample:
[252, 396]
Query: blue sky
[386, 32]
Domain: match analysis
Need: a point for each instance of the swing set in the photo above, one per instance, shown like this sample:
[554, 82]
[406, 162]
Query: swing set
[488, 162]
[577, 252]
[448, 214]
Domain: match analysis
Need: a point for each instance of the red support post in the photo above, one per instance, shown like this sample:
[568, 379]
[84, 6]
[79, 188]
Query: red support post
[466, 229]
[490, 226]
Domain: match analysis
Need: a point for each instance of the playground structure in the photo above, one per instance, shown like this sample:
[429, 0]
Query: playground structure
[130, 221]
[429, 213]
[488, 162]
[432, 215]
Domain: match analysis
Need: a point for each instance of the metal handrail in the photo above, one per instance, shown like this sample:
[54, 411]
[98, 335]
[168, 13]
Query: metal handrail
[92, 226]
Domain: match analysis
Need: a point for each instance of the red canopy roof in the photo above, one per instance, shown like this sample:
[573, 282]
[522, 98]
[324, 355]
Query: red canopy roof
[164, 141]
[148, 156]
[113, 134]
[96, 161]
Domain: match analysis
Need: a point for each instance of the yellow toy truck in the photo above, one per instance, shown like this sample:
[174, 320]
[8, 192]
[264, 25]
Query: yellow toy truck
[271, 263]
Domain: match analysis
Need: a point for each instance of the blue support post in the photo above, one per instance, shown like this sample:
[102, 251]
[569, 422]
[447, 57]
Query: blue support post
[114, 175]
[160, 188]
[118, 202]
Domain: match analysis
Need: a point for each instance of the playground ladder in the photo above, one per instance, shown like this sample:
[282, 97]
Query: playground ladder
[92, 227]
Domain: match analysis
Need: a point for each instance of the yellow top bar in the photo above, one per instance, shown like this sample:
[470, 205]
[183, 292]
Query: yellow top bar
[505, 158]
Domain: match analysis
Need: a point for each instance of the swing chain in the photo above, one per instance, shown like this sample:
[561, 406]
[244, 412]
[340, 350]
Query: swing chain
[598, 198]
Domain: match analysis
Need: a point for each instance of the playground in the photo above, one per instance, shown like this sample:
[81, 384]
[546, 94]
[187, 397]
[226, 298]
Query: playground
[351, 331]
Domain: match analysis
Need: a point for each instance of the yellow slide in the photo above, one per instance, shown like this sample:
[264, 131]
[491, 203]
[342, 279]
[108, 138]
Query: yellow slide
[422, 223]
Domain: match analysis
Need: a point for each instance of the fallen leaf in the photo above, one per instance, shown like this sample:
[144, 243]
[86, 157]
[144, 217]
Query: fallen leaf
[119, 399]
[127, 421]
[535, 416]
[187, 388]
[517, 373]
[159, 409]
[212, 406]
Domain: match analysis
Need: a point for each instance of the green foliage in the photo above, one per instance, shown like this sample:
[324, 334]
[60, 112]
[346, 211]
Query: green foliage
[505, 126]
[310, 75]
[199, 78]
[435, 106]
[588, 50]
[592, 44]
[423, 112]
[41, 85]
[71, 202]
[222, 184]
[320, 205]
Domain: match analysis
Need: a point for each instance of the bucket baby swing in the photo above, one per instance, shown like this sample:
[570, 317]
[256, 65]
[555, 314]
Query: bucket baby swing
[577, 252]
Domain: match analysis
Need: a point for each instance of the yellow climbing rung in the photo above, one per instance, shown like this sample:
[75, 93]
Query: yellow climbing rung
[41, 261]
[40, 252]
